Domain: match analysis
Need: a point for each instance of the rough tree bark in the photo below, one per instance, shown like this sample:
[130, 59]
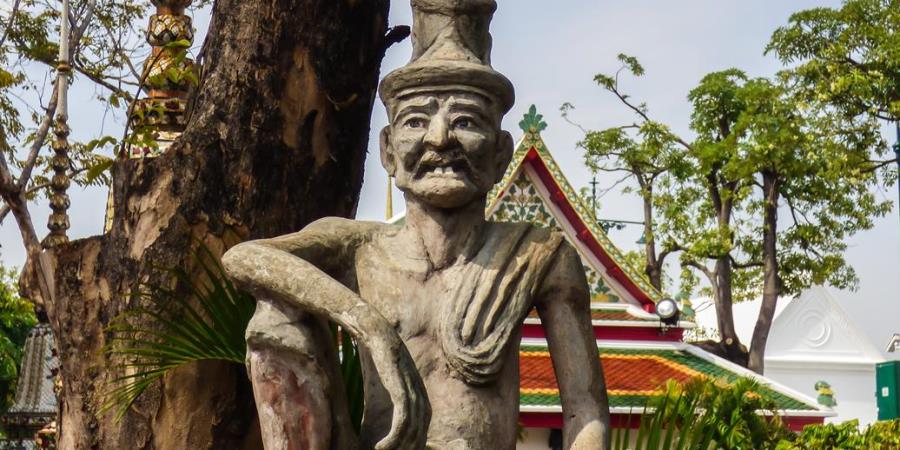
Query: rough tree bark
[277, 139]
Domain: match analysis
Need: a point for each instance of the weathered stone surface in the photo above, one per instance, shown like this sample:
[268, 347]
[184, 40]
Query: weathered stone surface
[435, 304]
[276, 139]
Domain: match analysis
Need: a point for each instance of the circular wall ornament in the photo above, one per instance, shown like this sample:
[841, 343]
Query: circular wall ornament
[817, 331]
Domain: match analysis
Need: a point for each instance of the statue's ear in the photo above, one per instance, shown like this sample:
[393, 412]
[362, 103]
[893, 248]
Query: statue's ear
[504, 154]
[387, 153]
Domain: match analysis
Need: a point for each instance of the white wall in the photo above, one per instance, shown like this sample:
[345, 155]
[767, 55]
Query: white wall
[854, 387]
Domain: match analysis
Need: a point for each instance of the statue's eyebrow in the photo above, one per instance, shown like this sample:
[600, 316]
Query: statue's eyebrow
[422, 105]
[470, 106]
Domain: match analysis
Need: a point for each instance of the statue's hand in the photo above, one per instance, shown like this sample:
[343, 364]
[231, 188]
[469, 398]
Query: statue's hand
[412, 411]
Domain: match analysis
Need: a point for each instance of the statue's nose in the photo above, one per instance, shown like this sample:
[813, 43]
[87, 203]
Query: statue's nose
[438, 135]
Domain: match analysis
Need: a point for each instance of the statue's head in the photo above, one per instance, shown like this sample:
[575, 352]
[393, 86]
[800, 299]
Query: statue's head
[444, 144]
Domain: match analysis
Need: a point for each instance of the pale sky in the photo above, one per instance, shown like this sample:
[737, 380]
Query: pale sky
[551, 51]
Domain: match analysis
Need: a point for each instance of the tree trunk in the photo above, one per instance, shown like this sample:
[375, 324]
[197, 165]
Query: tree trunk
[277, 139]
[653, 266]
[731, 347]
[771, 281]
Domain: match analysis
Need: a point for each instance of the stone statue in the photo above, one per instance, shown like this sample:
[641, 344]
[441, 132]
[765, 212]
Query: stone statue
[436, 305]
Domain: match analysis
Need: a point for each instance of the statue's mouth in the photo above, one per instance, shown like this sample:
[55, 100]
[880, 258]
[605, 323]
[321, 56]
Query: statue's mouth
[443, 167]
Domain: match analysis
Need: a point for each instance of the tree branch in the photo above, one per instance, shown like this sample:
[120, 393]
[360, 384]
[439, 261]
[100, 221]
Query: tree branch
[9, 23]
[710, 276]
[40, 136]
[744, 265]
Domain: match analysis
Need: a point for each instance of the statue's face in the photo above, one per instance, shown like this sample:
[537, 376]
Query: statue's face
[445, 149]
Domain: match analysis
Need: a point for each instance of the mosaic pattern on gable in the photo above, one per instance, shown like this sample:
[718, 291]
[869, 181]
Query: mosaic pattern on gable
[600, 292]
[522, 203]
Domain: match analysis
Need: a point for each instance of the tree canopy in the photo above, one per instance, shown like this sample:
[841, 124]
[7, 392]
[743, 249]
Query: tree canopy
[759, 201]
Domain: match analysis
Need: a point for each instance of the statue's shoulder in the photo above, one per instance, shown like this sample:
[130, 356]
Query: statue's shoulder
[329, 233]
[340, 226]
[549, 236]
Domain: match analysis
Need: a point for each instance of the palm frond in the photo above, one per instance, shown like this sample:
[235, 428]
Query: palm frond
[195, 320]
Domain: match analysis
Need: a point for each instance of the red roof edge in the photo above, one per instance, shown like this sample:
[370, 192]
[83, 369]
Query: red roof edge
[583, 232]
[617, 333]
[633, 421]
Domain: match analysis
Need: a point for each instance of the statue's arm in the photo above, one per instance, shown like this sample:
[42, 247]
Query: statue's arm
[299, 270]
[287, 270]
[564, 308]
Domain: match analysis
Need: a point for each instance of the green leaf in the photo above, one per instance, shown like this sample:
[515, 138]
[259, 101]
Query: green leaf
[97, 170]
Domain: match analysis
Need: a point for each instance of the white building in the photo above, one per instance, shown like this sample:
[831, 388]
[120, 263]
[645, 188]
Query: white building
[814, 339]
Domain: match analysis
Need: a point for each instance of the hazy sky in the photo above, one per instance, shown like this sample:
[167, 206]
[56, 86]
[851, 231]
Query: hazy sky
[551, 51]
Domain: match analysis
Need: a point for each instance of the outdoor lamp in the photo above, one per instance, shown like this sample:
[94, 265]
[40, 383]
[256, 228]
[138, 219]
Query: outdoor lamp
[667, 310]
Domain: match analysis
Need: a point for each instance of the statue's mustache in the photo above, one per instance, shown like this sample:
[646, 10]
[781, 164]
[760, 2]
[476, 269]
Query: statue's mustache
[430, 158]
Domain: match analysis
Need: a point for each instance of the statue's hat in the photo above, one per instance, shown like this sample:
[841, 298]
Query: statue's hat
[451, 52]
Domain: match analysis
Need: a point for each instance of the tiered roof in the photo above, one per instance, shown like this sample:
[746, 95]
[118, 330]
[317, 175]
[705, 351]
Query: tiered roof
[638, 352]
[635, 372]
[35, 403]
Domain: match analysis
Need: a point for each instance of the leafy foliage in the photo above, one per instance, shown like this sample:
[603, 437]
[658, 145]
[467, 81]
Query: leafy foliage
[764, 157]
[107, 50]
[847, 56]
[706, 414]
[16, 320]
[883, 435]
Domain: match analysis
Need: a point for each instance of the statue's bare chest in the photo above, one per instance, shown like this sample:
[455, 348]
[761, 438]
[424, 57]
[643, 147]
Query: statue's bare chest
[404, 291]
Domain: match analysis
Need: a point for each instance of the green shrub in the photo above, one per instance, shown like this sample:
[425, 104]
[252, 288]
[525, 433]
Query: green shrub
[706, 414]
[883, 435]
[846, 436]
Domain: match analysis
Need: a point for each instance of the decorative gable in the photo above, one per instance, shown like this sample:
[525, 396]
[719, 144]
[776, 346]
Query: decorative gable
[814, 327]
[521, 202]
[535, 190]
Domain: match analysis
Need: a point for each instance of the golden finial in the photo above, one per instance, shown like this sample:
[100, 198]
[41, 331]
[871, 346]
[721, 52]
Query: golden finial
[389, 210]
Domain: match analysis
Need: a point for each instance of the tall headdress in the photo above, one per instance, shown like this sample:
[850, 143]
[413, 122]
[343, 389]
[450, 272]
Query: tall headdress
[451, 52]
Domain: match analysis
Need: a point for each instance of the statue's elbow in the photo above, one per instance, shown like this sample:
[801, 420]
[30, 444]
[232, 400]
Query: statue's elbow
[234, 261]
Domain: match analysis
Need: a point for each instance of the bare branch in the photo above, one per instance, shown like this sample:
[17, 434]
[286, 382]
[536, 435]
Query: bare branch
[710, 276]
[744, 265]
[40, 136]
[13, 13]
[879, 164]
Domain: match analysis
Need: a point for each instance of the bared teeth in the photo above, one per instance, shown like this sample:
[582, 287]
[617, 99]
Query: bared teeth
[442, 170]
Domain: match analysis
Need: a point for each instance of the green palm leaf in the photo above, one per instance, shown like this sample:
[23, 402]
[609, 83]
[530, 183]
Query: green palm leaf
[196, 320]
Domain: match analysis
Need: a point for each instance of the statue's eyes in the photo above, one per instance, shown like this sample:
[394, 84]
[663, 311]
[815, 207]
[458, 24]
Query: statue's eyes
[415, 123]
[462, 123]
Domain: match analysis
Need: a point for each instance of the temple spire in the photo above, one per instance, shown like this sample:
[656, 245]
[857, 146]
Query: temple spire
[389, 207]
[159, 119]
[58, 223]
[168, 77]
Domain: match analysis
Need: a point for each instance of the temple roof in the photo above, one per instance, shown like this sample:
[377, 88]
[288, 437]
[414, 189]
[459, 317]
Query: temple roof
[535, 190]
[635, 372]
[35, 403]
[34, 391]
[617, 314]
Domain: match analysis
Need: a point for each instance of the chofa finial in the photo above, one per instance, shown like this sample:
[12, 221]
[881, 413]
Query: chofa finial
[532, 122]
